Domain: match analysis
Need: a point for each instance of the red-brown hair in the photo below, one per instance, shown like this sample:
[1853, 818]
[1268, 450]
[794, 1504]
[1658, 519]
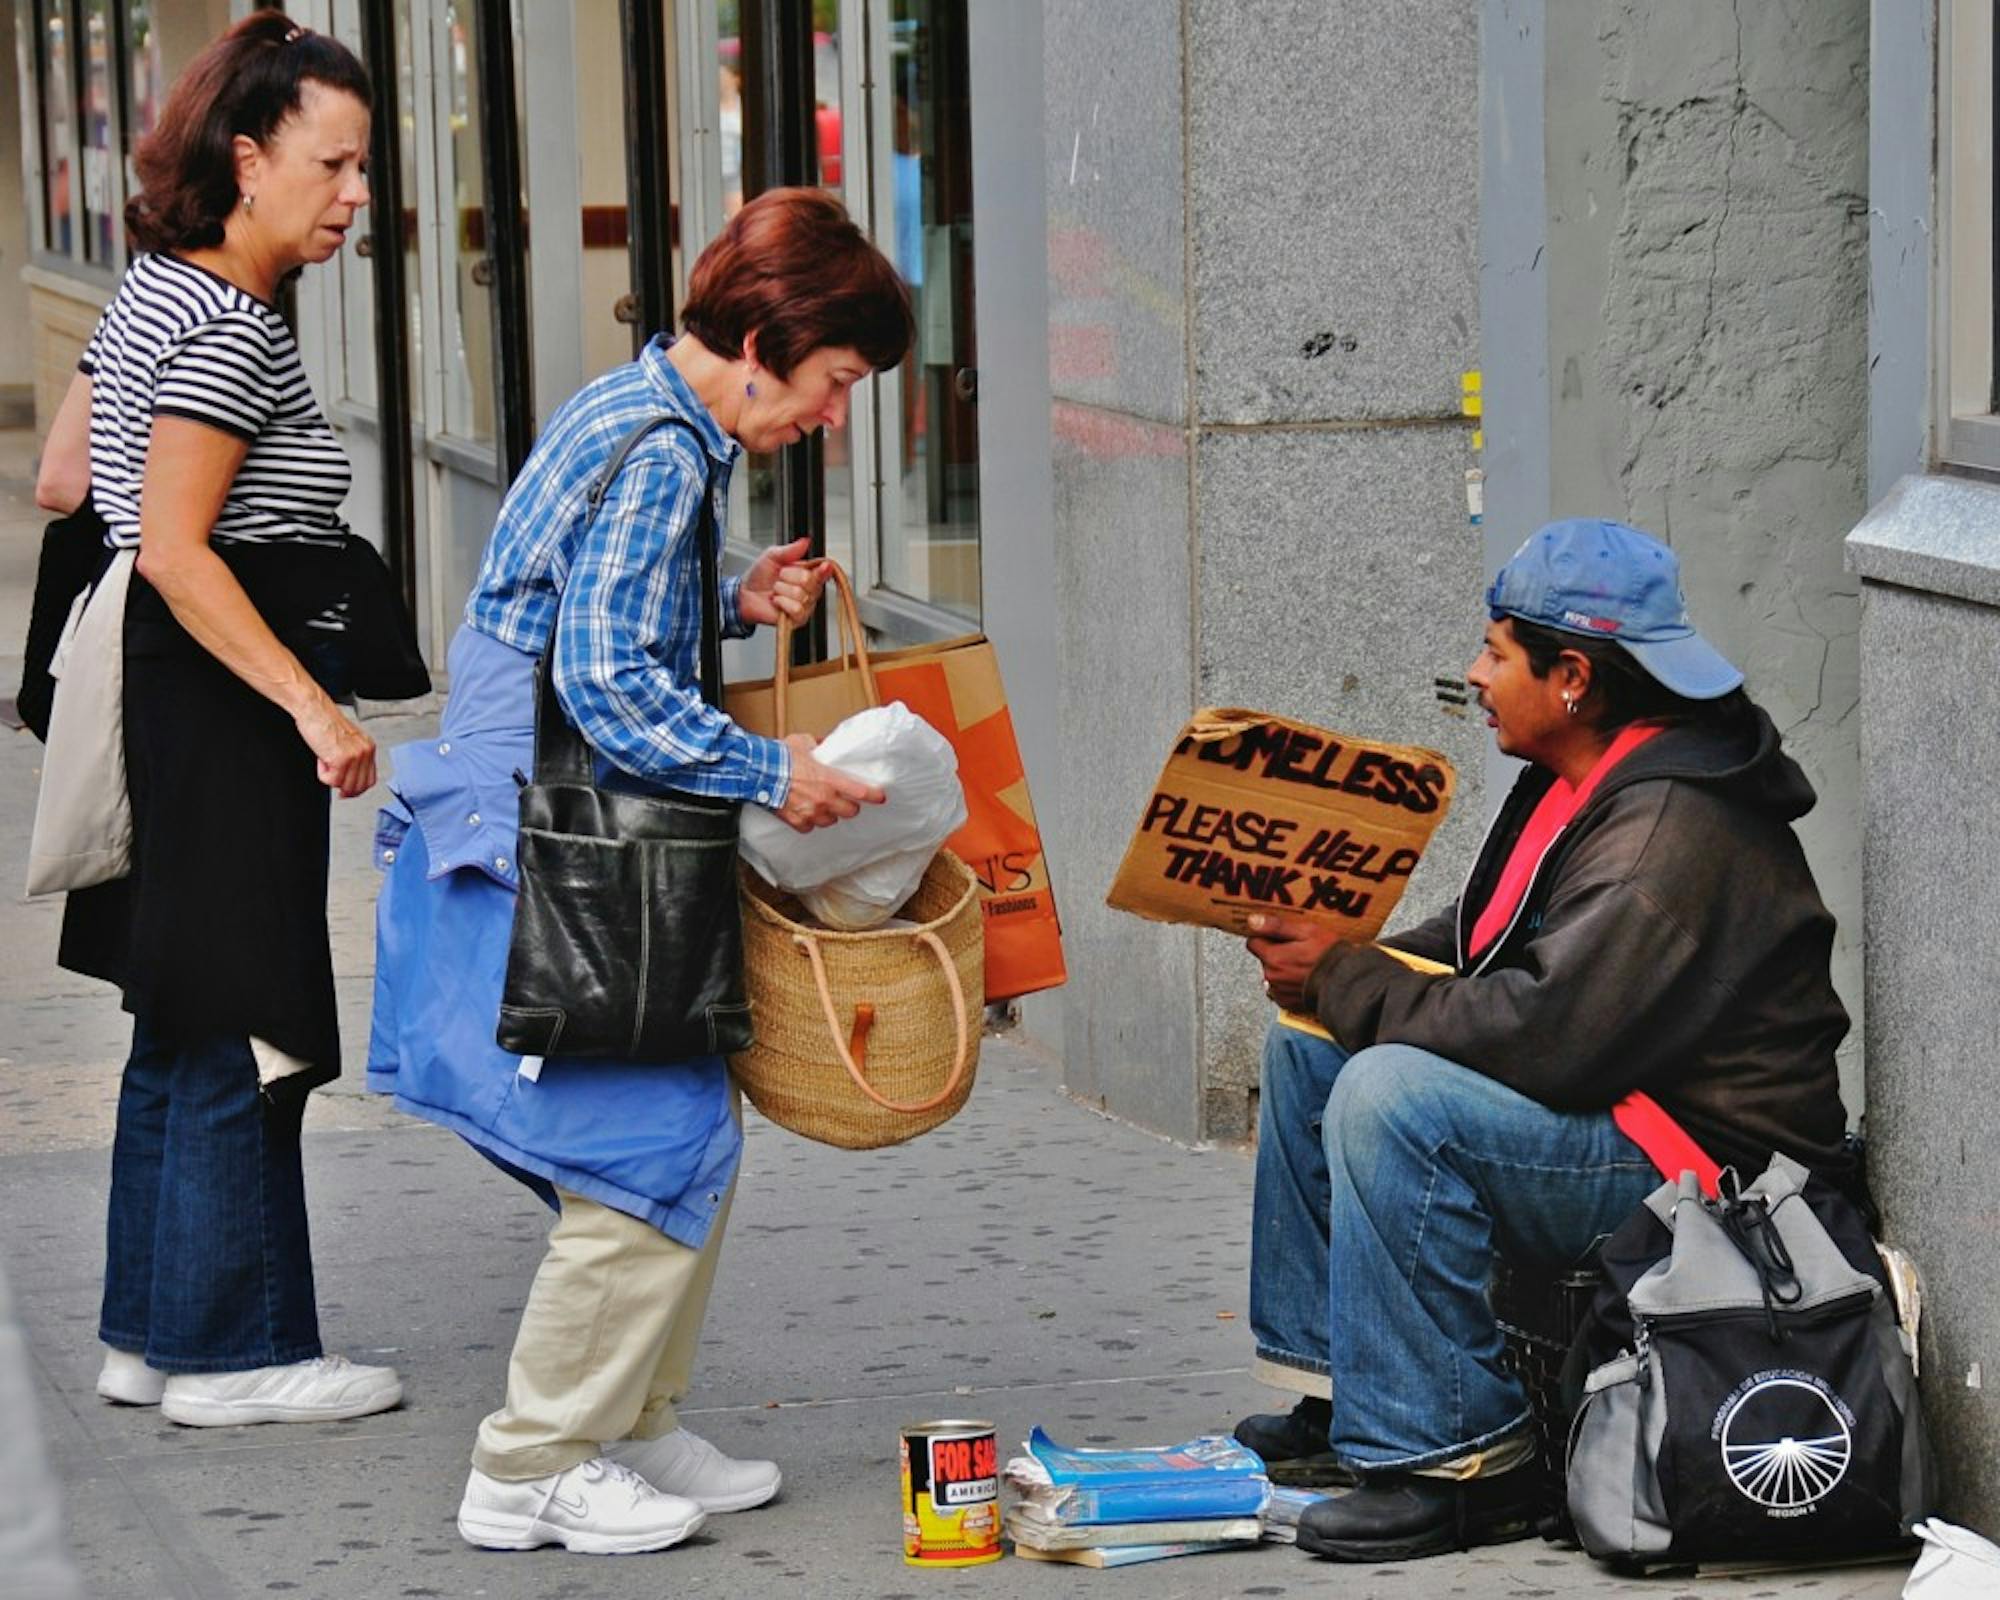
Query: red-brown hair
[247, 82]
[792, 268]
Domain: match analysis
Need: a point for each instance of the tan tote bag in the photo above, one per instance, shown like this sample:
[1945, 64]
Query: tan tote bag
[83, 817]
[871, 1038]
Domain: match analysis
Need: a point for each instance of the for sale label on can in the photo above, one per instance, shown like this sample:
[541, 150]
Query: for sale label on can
[951, 1494]
[964, 1471]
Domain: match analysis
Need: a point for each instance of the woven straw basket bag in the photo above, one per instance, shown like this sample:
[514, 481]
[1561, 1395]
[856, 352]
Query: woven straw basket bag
[863, 1039]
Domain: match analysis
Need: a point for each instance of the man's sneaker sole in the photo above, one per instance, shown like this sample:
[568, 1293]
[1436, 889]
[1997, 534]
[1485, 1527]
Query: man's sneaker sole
[1312, 1472]
[496, 1530]
[1439, 1541]
[194, 1411]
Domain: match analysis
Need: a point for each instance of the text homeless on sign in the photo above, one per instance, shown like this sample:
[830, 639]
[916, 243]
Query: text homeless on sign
[1260, 812]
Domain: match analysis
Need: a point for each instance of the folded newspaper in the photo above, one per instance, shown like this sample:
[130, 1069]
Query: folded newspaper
[1124, 1555]
[1283, 1510]
[1209, 1477]
[1026, 1529]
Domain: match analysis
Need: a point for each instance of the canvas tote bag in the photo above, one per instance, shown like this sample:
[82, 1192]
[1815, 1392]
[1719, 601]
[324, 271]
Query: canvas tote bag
[83, 817]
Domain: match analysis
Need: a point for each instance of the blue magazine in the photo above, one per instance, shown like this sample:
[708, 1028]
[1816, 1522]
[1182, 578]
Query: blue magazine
[1211, 1476]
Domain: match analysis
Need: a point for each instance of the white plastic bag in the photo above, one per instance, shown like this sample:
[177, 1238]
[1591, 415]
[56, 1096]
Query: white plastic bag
[1956, 1564]
[860, 871]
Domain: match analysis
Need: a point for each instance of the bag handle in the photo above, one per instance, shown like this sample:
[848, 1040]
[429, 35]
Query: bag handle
[810, 946]
[854, 644]
[561, 753]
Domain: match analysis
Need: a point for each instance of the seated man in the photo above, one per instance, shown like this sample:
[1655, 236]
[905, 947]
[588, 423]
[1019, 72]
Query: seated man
[1635, 978]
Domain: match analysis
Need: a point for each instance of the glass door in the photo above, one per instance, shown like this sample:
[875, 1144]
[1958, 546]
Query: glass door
[884, 112]
[926, 410]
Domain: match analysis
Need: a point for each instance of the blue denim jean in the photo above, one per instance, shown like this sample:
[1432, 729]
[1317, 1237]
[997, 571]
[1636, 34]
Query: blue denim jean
[1387, 1181]
[208, 1265]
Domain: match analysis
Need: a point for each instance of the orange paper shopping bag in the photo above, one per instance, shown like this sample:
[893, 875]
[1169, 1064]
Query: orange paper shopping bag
[955, 687]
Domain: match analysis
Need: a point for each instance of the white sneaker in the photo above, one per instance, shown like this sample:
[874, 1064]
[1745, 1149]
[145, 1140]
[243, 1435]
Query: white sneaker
[686, 1464]
[325, 1389]
[598, 1509]
[126, 1379]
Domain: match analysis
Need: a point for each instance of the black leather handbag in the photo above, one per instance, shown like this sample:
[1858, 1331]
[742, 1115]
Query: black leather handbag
[628, 930]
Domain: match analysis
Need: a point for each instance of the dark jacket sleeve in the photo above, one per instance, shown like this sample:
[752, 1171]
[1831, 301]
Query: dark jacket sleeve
[1435, 938]
[1607, 995]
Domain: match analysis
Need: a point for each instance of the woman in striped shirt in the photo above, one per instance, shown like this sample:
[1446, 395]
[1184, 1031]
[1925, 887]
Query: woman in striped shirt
[192, 426]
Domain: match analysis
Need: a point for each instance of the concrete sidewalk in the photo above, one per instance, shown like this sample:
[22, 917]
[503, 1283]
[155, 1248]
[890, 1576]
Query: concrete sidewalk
[1030, 1262]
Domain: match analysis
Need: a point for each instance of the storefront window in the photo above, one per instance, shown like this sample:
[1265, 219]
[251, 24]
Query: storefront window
[468, 378]
[407, 230]
[930, 515]
[890, 133]
[147, 65]
[58, 125]
[103, 70]
[99, 128]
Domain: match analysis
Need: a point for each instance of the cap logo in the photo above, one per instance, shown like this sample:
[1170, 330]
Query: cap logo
[1576, 619]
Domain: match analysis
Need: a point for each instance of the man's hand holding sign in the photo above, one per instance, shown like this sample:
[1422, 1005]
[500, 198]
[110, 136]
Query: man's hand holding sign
[1288, 948]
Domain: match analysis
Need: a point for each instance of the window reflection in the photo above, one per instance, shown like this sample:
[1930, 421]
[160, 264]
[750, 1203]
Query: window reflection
[407, 230]
[729, 123]
[469, 377]
[930, 517]
[161, 38]
[603, 230]
[901, 159]
[838, 447]
[148, 70]
[98, 91]
[58, 126]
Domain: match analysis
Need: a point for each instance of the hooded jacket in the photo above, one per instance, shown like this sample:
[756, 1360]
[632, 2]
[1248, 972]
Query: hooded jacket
[1671, 940]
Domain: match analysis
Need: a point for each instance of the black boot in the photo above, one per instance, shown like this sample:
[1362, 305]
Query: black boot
[1397, 1516]
[1293, 1445]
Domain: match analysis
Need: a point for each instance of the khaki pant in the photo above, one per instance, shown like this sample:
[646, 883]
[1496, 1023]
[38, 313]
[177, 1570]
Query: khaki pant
[606, 1343]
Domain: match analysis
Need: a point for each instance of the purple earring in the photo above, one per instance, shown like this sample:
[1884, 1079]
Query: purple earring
[750, 388]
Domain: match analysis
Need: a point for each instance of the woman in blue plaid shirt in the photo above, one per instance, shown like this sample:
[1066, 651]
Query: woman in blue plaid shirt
[786, 311]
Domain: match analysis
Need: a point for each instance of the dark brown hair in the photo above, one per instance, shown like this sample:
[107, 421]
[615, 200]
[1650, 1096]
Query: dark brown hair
[1621, 691]
[792, 268]
[247, 82]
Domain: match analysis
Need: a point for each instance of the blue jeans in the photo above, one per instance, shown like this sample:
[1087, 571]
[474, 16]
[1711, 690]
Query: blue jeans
[208, 1266]
[1386, 1184]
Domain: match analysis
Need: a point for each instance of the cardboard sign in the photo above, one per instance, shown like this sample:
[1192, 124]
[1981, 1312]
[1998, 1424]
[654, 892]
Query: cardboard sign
[1256, 812]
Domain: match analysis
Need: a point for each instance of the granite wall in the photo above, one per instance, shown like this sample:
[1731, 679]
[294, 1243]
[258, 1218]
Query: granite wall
[1707, 268]
[1929, 558]
[1263, 294]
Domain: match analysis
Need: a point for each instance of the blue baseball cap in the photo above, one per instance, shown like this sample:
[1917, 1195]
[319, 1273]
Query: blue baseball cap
[1607, 581]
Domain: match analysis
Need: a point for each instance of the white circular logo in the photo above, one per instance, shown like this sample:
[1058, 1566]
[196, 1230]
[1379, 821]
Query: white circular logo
[1785, 1443]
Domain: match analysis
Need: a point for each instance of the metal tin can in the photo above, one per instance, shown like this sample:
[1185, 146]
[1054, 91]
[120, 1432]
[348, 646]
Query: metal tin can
[951, 1494]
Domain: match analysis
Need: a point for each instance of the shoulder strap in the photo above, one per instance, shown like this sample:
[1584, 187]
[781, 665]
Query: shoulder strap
[711, 594]
[560, 751]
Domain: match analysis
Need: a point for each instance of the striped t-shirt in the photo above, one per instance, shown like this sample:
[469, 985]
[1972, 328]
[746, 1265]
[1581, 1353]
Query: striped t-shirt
[178, 341]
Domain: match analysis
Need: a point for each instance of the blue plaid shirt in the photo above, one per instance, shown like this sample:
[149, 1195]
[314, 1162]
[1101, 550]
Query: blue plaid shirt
[627, 653]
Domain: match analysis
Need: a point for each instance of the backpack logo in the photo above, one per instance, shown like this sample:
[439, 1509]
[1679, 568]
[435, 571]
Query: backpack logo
[1786, 1441]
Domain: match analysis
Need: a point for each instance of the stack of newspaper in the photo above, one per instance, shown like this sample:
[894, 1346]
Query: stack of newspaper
[1110, 1508]
[1282, 1511]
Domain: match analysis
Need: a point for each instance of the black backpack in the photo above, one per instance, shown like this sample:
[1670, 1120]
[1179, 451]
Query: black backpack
[1749, 1393]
